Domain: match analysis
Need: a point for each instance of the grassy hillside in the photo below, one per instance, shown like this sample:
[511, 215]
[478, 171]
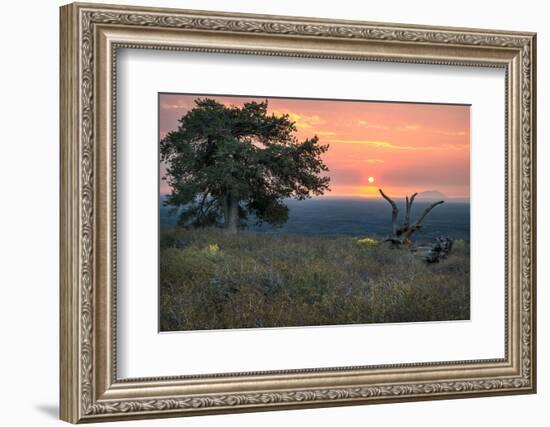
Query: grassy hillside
[209, 280]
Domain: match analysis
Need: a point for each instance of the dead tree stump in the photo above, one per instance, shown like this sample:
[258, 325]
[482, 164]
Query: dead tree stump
[401, 235]
[434, 251]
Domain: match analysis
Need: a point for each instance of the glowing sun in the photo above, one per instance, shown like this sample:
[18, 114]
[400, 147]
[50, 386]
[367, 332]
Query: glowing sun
[371, 179]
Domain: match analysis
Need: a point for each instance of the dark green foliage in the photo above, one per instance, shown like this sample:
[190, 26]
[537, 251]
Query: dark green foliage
[225, 163]
[210, 280]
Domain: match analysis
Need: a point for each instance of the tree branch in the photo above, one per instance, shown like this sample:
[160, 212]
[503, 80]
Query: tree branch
[417, 225]
[394, 211]
[409, 207]
[426, 212]
[407, 212]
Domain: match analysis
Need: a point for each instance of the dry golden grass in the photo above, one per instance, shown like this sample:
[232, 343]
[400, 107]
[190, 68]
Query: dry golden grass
[210, 280]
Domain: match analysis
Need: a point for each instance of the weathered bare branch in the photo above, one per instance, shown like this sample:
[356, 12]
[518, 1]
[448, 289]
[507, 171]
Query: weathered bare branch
[401, 235]
[434, 251]
[407, 211]
[394, 211]
[412, 229]
[409, 203]
[426, 212]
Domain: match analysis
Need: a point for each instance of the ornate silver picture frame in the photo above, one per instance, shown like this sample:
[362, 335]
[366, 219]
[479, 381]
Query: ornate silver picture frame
[91, 35]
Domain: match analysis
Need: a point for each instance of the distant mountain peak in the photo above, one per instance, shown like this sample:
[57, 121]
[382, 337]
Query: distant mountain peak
[431, 195]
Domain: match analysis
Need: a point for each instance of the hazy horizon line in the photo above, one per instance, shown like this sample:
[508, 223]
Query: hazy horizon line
[332, 196]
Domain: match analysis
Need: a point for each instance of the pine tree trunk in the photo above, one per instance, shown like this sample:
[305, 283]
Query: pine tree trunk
[231, 214]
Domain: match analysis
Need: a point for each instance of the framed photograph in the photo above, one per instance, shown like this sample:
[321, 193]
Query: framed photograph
[266, 212]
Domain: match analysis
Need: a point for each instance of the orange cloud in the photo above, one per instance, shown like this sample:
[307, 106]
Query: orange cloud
[377, 144]
[301, 120]
[368, 125]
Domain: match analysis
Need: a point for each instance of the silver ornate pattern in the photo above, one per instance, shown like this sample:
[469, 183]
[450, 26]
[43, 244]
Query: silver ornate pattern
[86, 211]
[325, 395]
[90, 18]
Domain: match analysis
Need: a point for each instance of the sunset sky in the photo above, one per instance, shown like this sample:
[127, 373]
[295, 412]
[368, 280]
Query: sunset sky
[401, 147]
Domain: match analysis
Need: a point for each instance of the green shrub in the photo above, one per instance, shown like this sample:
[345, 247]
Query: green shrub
[367, 241]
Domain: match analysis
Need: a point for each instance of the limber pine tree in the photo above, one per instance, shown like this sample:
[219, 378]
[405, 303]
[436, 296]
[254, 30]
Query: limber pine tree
[224, 163]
